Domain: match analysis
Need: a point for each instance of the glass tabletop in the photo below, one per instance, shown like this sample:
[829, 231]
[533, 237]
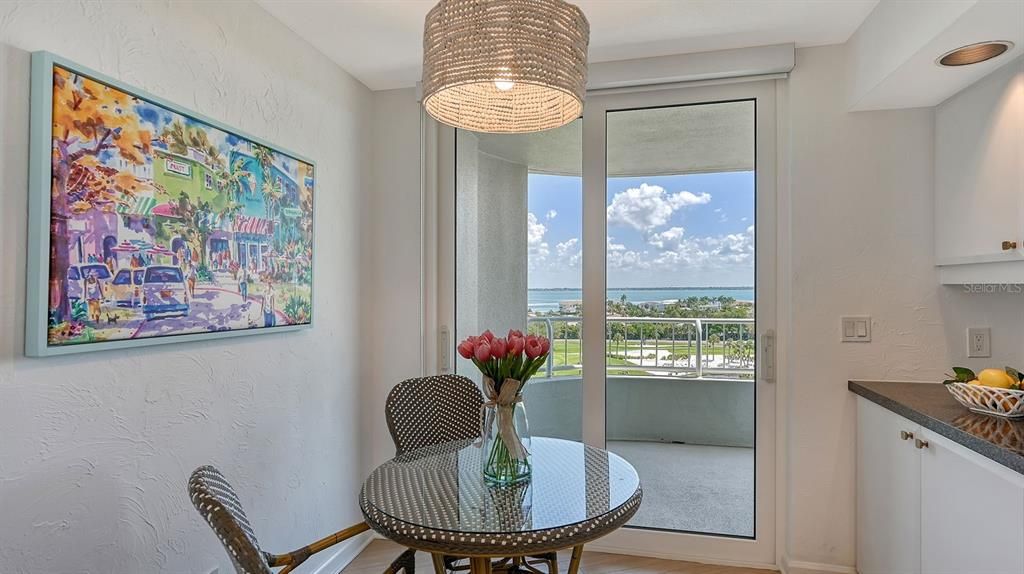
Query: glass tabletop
[442, 488]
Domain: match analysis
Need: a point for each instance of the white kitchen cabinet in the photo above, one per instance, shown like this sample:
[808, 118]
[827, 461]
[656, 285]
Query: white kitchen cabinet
[888, 492]
[979, 180]
[926, 505]
[972, 512]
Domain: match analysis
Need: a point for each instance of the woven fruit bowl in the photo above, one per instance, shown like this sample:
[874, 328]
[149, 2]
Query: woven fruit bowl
[1007, 403]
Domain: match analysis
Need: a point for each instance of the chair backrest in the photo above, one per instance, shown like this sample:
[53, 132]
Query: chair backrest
[217, 502]
[430, 410]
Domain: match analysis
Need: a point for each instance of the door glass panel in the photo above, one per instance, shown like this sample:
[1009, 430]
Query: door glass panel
[517, 258]
[680, 337]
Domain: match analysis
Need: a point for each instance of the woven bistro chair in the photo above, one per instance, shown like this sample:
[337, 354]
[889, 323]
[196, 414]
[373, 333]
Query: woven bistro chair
[425, 411]
[218, 504]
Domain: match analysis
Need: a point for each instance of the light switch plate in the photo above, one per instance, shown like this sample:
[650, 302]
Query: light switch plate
[855, 329]
[979, 342]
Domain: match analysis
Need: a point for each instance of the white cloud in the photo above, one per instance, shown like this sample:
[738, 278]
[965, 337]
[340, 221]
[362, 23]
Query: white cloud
[668, 239]
[677, 251]
[568, 253]
[716, 251]
[627, 259]
[537, 248]
[551, 214]
[649, 206]
[566, 246]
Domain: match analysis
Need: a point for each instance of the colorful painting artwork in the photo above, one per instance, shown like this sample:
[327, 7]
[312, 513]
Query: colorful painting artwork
[163, 225]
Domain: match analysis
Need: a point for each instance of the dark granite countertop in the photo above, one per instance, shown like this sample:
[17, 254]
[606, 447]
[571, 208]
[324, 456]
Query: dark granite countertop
[931, 406]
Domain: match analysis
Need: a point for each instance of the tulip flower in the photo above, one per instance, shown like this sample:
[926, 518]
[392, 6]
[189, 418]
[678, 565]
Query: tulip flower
[533, 348]
[466, 349]
[517, 357]
[515, 345]
[482, 352]
[498, 348]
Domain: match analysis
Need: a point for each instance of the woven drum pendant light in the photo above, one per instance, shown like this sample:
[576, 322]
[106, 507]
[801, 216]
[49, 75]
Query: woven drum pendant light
[505, 66]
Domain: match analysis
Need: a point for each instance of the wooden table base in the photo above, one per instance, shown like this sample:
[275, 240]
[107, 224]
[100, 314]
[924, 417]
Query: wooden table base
[482, 564]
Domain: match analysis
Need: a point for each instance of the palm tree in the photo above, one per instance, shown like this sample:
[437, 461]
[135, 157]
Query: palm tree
[231, 181]
[265, 157]
[180, 137]
[273, 192]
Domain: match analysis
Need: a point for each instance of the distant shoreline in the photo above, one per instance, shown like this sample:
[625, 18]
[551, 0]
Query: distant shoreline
[548, 299]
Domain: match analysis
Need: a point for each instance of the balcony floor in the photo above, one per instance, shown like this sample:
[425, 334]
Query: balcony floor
[692, 487]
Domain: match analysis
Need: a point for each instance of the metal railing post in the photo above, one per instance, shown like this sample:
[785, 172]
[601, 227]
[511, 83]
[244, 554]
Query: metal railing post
[550, 362]
[700, 350]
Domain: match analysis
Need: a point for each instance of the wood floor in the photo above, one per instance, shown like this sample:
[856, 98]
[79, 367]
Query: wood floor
[380, 553]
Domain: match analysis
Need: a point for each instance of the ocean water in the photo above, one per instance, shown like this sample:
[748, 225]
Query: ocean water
[541, 300]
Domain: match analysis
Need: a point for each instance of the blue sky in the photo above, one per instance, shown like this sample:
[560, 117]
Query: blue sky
[666, 231]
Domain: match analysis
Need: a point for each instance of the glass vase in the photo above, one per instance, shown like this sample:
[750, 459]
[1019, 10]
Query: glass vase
[506, 453]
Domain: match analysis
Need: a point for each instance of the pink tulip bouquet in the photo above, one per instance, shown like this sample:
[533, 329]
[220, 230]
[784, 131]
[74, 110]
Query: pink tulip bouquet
[506, 364]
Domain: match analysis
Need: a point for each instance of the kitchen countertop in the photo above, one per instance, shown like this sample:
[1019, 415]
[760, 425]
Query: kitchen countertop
[931, 406]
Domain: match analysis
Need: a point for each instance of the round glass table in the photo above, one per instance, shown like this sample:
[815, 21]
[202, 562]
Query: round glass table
[434, 499]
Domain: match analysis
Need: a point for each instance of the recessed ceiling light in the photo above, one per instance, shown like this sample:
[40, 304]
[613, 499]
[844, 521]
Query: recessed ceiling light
[974, 53]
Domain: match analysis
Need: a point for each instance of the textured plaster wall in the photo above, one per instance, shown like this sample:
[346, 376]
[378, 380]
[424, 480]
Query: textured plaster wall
[393, 305]
[95, 449]
[861, 243]
[490, 224]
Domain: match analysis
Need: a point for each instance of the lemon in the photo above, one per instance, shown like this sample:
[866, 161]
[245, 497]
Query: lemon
[974, 382]
[996, 378]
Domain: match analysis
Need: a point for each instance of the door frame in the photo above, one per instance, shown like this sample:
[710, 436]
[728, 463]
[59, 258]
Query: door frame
[772, 298]
[761, 550]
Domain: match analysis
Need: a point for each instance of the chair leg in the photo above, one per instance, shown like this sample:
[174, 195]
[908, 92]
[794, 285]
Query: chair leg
[406, 561]
[438, 560]
[410, 562]
[577, 556]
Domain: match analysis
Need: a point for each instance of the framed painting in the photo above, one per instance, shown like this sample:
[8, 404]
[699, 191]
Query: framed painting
[150, 224]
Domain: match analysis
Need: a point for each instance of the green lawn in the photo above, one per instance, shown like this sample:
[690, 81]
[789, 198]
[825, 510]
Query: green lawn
[567, 352]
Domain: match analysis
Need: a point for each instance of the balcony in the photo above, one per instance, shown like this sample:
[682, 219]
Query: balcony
[680, 407]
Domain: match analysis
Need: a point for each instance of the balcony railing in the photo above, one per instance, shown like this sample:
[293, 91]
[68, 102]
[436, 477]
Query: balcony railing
[695, 348]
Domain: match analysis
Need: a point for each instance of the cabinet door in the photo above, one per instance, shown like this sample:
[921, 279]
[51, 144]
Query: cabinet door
[978, 170]
[972, 512]
[888, 493]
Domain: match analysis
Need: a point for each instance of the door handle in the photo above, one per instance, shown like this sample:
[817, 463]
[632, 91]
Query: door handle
[920, 443]
[906, 435]
[768, 356]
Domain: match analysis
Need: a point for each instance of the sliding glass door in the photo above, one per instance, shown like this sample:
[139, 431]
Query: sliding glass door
[640, 240]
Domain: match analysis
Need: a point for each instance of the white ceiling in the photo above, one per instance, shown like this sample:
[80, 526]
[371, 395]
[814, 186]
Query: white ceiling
[379, 41]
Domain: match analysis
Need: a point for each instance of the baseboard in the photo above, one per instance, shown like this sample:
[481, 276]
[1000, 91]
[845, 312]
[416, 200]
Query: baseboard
[790, 566]
[600, 546]
[341, 556]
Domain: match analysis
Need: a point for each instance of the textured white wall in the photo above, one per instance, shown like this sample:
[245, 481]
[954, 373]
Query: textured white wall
[861, 234]
[96, 448]
[393, 308]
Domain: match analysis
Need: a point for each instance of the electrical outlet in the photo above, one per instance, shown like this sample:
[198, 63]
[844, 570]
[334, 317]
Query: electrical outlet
[979, 342]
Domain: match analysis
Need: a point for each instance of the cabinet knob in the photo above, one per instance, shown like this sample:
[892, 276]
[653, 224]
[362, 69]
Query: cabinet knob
[1008, 245]
[920, 443]
[906, 435]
